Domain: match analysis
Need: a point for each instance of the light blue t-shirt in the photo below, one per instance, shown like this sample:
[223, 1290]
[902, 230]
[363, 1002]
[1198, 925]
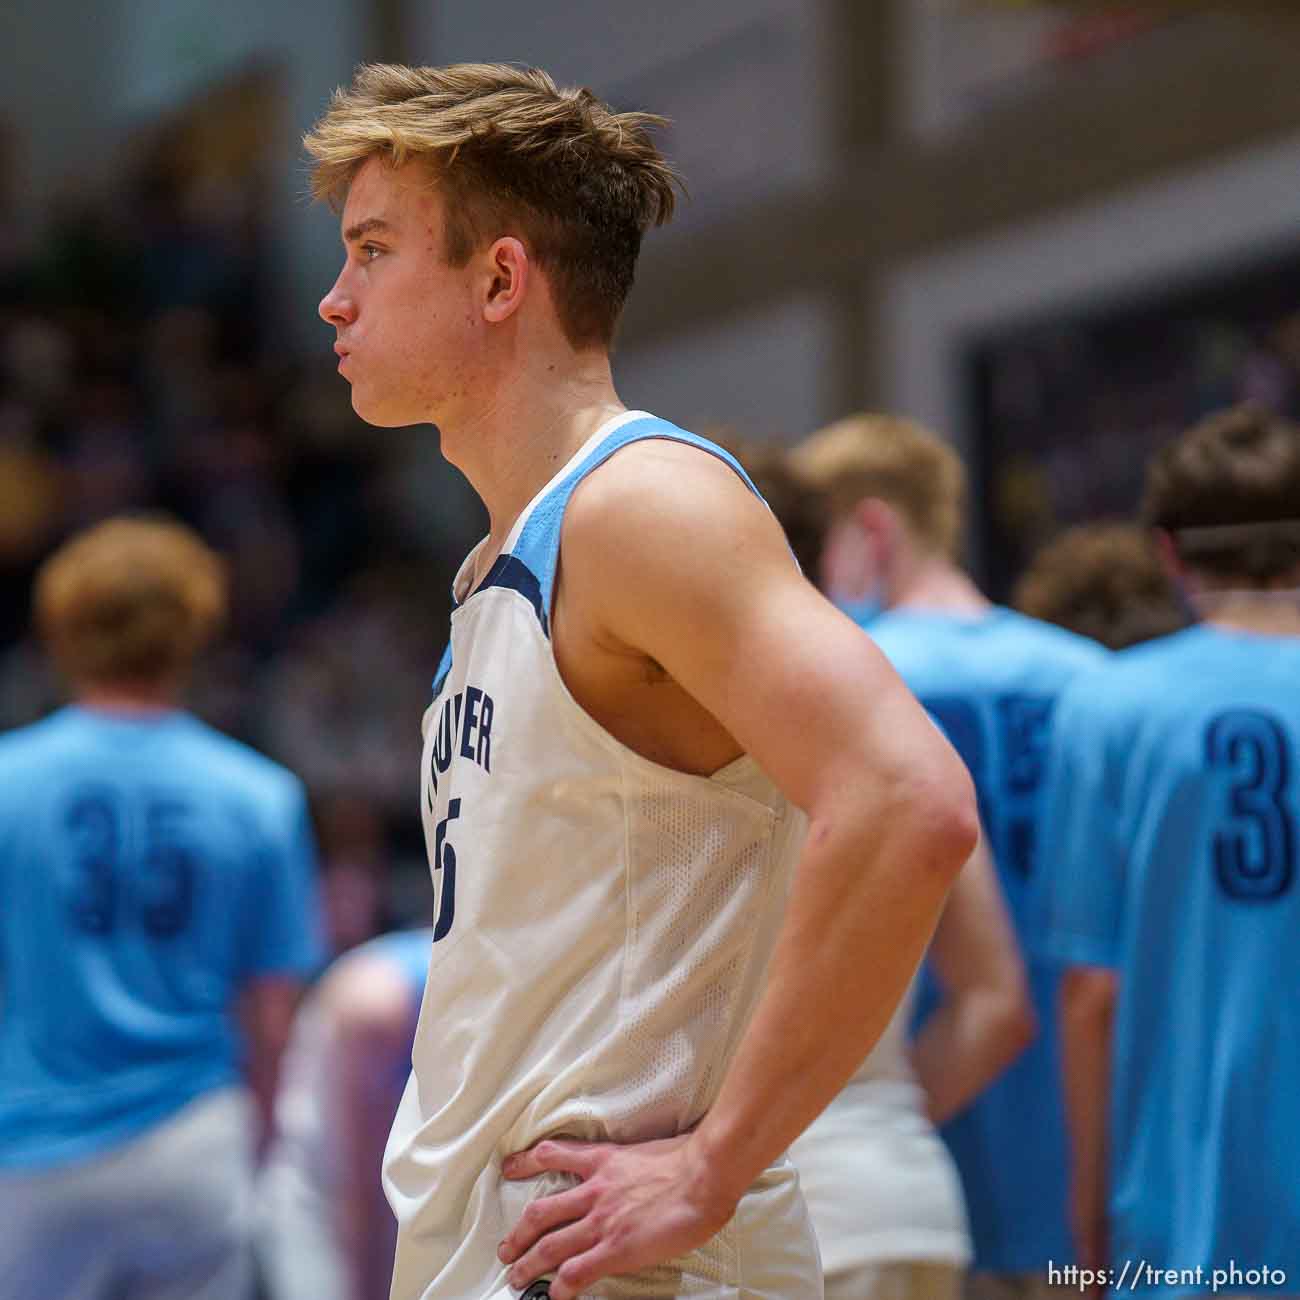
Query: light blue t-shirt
[991, 682]
[149, 867]
[1175, 793]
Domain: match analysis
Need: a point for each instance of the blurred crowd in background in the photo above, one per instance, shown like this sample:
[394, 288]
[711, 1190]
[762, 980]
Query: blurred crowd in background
[134, 376]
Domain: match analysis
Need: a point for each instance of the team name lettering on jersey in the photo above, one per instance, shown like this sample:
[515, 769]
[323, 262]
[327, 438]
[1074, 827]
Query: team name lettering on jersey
[463, 729]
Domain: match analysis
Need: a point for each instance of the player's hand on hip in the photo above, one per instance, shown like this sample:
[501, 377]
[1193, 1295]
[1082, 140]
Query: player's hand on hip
[635, 1207]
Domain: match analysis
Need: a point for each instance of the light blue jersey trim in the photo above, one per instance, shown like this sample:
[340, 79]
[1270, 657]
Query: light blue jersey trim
[538, 546]
[529, 567]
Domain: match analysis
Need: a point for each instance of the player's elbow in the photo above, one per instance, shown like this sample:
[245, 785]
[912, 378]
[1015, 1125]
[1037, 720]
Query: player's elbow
[1018, 1024]
[946, 817]
[1087, 995]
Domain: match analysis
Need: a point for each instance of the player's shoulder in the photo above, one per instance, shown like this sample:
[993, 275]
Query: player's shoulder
[994, 649]
[404, 951]
[374, 986]
[21, 746]
[1140, 668]
[668, 472]
[235, 765]
[685, 497]
[1060, 643]
[1128, 684]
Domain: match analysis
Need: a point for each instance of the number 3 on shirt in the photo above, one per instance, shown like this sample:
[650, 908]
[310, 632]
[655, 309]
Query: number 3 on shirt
[1254, 852]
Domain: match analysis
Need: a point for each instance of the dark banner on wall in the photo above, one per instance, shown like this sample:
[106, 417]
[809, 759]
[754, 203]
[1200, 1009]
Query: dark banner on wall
[1068, 409]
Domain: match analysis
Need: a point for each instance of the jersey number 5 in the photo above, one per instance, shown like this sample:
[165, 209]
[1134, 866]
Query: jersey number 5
[1254, 853]
[444, 860]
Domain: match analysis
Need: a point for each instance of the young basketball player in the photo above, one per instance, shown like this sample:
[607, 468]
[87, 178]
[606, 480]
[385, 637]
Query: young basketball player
[1174, 899]
[157, 878]
[990, 677]
[641, 703]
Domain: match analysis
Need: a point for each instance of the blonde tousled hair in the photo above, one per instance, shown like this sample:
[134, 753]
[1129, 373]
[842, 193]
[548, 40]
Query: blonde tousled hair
[897, 461]
[131, 601]
[511, 151]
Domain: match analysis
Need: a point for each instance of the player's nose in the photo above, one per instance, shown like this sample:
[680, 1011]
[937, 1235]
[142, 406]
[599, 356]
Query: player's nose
[337, 307]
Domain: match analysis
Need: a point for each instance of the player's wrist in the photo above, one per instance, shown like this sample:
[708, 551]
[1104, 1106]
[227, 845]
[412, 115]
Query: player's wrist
[717, 1175]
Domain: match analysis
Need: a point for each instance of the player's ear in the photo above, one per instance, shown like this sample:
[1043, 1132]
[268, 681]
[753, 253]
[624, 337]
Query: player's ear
[880, 522]
[509, 271]
[1170, 560]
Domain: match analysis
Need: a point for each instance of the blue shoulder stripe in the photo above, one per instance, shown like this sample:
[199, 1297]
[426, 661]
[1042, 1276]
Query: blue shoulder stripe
[444, 667]
[537, 549]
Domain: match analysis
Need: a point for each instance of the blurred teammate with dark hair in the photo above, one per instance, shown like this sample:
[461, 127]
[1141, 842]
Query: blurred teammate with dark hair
[1175, 788]
[156, 878]
[325, 1230]
[1105, 581]
[990, 677]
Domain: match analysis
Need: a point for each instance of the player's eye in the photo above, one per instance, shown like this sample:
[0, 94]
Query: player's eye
[370, 251]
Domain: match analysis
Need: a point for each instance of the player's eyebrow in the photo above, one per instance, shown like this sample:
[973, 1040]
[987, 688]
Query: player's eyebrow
[353, 233]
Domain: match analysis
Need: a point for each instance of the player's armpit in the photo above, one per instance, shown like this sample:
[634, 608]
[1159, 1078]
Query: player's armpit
[675, 559]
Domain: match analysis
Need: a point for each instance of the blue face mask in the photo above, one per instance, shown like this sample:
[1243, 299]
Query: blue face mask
[864, 610]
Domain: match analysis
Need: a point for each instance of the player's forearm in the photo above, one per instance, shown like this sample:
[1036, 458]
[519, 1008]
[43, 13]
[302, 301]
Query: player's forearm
[1087, 1014]
[965, 1044]
[261, 1077]
[865, 898]
[266, 1012]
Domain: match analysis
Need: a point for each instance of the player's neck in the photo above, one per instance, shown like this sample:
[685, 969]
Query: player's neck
[1258, 613]
[133, 701]
[539, 413]
[927, 582]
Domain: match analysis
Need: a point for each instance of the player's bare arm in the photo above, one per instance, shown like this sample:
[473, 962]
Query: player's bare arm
[266, 1011]
[683, 625]
[985, 1018]
[1088, 996]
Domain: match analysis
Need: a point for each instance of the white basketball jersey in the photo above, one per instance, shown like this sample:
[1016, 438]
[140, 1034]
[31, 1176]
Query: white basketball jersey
[602, 925]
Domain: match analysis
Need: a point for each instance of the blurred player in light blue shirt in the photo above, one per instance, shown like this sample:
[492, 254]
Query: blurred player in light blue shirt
[990, 677]
[1175, 795]
[159, 918]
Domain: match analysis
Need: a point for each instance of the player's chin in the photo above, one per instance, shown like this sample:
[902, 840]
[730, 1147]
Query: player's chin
[376, 412]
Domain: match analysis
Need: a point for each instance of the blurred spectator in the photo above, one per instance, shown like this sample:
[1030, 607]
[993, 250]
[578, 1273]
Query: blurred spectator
[325, 1230]
[158, 878]
[1103, 581]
